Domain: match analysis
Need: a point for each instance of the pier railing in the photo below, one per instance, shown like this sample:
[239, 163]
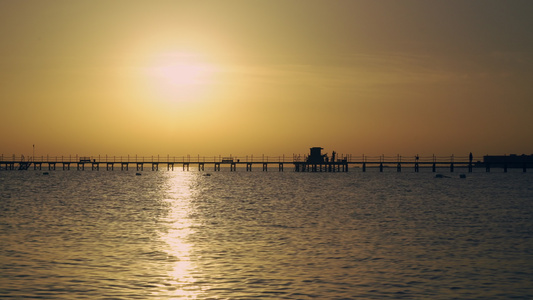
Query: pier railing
[349, 158]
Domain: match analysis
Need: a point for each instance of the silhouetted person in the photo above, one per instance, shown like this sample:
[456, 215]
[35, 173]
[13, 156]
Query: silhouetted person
[333, 156]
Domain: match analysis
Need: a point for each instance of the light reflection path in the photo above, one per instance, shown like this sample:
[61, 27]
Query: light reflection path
[178, 227]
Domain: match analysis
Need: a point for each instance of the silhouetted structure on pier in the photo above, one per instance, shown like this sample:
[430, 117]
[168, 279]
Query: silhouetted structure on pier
[512, 161]
[318, 162]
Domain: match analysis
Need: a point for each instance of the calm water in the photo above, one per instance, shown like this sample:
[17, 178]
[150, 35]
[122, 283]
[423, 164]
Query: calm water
[242, 235]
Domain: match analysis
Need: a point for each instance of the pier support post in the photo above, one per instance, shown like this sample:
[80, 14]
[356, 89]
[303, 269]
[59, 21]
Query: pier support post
[95, 166]
[451, 162]
[434, 167]
[265, 167]
[185, 165]
[217, 167]
[124, 166]
[416, 167]
[399, 166]
[364, 167]
[470, 159]
[170, 166]
[201, 166]
[233, 167]
[249, 167]
[140, 166]
[280, 168]
[155, 166]
[110, 166]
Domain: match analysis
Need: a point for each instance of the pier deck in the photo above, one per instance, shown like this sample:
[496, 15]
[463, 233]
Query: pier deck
[264, 163]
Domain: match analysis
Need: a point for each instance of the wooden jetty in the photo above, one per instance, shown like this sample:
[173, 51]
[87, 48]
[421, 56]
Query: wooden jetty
[314, 162]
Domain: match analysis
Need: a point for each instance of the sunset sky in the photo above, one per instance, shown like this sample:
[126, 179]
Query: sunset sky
[266, 77]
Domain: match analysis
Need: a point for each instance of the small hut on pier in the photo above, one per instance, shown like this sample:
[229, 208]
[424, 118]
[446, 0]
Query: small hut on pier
[318, 162]
[316, 156]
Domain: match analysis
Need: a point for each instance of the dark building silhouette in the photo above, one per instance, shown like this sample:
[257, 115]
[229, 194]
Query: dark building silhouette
[316, 156]
[510, 161]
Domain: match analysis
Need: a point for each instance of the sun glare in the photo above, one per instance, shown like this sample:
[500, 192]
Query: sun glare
[183, 74]
[181, 77]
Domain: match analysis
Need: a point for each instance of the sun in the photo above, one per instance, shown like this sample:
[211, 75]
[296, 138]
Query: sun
[183, 74]
[181, 77]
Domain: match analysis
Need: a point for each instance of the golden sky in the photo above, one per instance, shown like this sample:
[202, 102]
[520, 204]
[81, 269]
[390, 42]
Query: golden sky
[266, 77]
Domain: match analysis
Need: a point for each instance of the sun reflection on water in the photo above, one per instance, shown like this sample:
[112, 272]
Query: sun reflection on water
[179, 226]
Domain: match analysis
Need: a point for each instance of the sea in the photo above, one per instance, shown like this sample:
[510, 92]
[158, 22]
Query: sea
[266, 235]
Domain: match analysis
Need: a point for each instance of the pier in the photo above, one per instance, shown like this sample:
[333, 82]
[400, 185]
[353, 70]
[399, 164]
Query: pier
[314, 162]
